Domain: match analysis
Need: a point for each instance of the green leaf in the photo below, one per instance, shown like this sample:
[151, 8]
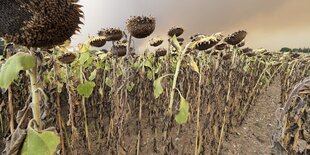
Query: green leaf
[149, 75]
[44, 143]
[148, 64]
[158, 89]
[10, 70]
[102, 56]
[86, 89]
[194, 65]
[130, 86]
[108, 81]
[84, 48]
[308, 72]
[182, 116]
[93, 75]
[89, 62]
[107, 67]
[84, 57]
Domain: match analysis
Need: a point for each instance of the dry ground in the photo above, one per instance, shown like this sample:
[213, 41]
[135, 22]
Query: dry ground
[253, 137]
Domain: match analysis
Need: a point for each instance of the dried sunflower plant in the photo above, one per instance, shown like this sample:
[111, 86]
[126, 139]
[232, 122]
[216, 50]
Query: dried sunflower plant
[117, 101]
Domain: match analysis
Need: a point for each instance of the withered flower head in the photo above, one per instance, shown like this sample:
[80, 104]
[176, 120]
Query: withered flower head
[196, 37]
[98, 41]
[141, 26]
[180, 40]
[67, 58]
[160, 52]
[177, 31]
[250, 54]
[119, 50]
[295, 55]
[104, 50]
[206, 42]
[44, 23]
[111, 34]
[236, 37]
[227, 56]
[267, 53]
[156, 41]
[247, 50]
[221, 46]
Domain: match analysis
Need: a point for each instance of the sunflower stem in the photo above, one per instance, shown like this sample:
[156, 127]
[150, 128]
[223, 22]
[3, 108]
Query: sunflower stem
[36, 112]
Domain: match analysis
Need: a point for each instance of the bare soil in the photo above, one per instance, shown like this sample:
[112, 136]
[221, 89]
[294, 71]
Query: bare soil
[253, 137]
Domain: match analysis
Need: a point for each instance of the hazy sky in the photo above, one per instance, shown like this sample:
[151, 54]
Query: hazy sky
[271, 24]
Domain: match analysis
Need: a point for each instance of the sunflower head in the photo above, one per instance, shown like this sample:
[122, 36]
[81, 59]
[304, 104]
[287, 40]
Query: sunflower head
[160, 52]
[236, 37]
[141, 26]
[98, 41]
[119, 50]
[246, 50]
[111, 34]
[29, 24]
[156, 41]
[177, 31]
[67, 58]
[207, 42]
[221, 46]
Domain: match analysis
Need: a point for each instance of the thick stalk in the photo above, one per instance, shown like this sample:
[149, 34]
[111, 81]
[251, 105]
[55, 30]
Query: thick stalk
[140, 121]
[11, 110]
[197, 148]
[128, 45]
[56, 73]
[175, 78]
[10, 99]
[85, 113]
[36, 112]
[222, 132]
[71, 105]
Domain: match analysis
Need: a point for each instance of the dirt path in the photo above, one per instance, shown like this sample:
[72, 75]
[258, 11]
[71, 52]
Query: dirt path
[254, 136]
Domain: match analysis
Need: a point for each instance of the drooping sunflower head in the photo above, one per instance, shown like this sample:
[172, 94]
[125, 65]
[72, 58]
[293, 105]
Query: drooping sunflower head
[236, 37]
[141, 26]
[111, 34]
[177, 31]
[44, 23]
[156, 41]
[67, 58]
[207, 42]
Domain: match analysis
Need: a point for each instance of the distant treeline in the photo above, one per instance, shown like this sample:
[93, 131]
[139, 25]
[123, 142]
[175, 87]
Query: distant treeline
[303, 50]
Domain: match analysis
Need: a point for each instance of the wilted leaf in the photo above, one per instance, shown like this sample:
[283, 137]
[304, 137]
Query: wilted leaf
[130, 86]
[107, 67]
[149, 75]
[84, 48]
[158, 89]
[10, 70]
[103, 56]
[194, 65]
[13, 145]
[93, 75]
[149, 64]
[44, 143]
[86, 89]
[108, 81]
[84, 57]
[182, 116]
